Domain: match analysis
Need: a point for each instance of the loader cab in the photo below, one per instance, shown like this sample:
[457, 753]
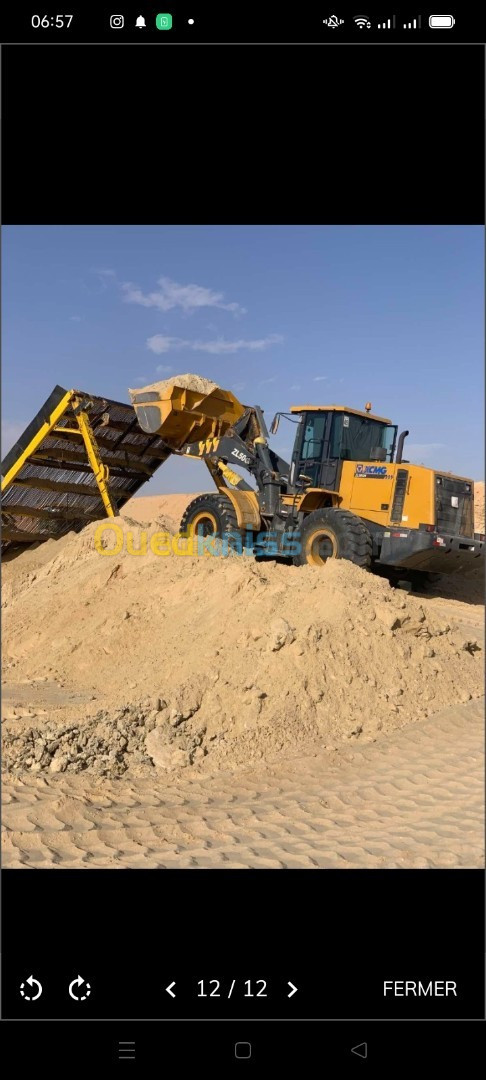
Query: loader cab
[329, 435]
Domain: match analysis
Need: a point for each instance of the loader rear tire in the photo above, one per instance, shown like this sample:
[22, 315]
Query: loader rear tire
[334, 534]
[214, 515]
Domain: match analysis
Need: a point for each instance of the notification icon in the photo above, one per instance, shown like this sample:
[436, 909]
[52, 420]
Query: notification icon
[163, 22]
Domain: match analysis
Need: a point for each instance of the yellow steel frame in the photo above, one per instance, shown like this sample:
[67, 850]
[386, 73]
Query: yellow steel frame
[36, 441]
[67, 431]
[101, 471]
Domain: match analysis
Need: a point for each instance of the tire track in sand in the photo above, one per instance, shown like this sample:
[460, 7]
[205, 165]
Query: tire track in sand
[413, 799]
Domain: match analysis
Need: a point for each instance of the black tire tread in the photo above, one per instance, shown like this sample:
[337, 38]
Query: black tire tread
[217, 504]
[355, 538]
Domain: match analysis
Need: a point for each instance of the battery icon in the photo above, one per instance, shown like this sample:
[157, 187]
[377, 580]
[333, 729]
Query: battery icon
[441, 22]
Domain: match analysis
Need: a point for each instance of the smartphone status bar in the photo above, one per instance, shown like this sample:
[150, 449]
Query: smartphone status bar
[192, 25]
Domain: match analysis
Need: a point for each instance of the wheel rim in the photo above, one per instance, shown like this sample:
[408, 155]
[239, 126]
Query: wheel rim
[320, 546]
[204, 523]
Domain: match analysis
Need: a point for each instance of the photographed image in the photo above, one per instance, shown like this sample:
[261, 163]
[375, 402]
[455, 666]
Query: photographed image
[243, 547]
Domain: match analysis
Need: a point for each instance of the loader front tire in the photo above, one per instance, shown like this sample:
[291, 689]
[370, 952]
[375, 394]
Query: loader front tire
[334, 534]
[212, 515]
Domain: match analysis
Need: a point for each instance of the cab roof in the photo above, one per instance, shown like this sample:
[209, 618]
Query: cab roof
[338, 408]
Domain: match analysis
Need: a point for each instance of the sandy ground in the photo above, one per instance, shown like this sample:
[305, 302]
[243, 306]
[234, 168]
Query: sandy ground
[412, 800]
[201, 712]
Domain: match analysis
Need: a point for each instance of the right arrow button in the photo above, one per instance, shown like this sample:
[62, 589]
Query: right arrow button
[293, 989]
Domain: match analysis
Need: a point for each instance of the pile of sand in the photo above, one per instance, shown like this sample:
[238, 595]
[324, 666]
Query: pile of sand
[165, 511]
[479, 506]
[188, 382]
[215, 661]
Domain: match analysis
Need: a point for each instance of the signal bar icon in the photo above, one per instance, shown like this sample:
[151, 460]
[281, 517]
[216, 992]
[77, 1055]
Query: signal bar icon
[389, 24]
[415, 25]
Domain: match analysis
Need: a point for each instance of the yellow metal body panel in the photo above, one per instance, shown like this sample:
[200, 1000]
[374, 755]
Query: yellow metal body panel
[36, 441]
[419, 504]
[246, 508]
[312, 499]
[364, 495]
[338, 408]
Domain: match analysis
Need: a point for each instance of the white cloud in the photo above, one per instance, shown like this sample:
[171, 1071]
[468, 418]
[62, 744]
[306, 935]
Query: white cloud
[163, 369]
[296, 386]
[321, 378]
[220, 345]
[171, 295]
[162, 343]
[141, 380]
[104, 277]
[265, 382]
[75, 318]
[238, 386]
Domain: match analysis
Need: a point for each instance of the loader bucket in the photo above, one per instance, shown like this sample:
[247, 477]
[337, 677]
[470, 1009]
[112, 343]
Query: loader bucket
[185, 409]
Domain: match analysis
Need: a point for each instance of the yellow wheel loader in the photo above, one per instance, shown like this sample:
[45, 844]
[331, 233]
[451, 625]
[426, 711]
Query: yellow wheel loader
[347, 492]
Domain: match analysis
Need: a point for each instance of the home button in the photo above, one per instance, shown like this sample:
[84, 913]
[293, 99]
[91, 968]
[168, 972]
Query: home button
[243, 1050]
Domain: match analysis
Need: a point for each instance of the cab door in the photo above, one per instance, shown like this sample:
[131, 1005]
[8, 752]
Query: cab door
[312, 455]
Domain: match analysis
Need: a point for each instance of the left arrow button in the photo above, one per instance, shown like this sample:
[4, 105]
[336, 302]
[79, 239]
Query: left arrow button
[31, 989]
[169, 989]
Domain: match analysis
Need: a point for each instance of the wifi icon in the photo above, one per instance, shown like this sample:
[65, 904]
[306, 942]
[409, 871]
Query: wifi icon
[362, 22]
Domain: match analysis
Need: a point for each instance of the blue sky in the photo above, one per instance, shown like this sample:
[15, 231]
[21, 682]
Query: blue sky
[279, 314]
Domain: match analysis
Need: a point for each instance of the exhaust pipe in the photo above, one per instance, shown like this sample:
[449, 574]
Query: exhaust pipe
[401, 440]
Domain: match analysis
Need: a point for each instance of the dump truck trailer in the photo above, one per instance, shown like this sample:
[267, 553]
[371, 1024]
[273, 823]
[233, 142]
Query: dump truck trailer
[346, 493]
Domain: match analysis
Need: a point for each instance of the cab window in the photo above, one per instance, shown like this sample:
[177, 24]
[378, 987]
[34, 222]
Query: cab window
[312, 445]
[361, 435]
